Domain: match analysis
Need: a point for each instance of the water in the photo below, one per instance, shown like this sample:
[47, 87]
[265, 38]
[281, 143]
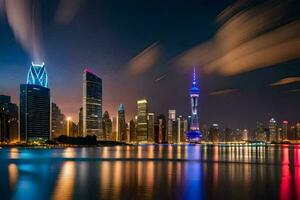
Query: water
[151, 172]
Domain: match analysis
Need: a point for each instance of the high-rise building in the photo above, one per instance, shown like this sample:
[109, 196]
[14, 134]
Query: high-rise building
[80, 122]
[273, 130]
[161, 130]
[171, 126]
[132, 131]
[121, 124]
[92, 105]
[284, 135]
[228, 135]
[34, 112]
[142, 122]
[58, 122]
[107, 126]
[35, 106]
[214, 133]
[181, 130]
[114, 128]
[260, 132]
[194, 134]
[151, 127]
[298, 131]
[8, 119]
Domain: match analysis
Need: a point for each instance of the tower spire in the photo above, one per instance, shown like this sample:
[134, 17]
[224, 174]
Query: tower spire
[194, 77]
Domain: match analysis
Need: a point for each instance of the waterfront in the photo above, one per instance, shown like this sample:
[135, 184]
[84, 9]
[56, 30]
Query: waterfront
[151, 172]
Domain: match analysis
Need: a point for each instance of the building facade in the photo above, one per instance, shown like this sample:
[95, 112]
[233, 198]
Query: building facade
[151, 127]
[92, 105]
[142, 121]
[121, 124]
[34, 113]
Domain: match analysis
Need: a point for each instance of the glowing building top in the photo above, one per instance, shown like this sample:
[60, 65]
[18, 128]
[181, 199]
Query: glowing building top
[194, 89]
[37, 75]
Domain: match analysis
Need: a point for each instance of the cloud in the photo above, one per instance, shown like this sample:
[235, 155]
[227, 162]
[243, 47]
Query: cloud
[286, 81]
[223, 92]
[251, 38]
[145, 59]
[293, 91]
[67, 10]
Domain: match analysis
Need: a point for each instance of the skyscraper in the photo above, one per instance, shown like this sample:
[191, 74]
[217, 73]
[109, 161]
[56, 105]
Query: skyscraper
[284, 135]
[214, 133]
[114, 129]
[194, 134]
[58, 122]
[8, 119]
[80, 122]
[34, 113]
[92, 105]
[161, 135]
[171, 125]
[132, 131]
[121, 123]
[35, 105]
[107, 126]
[142, 122]
[273, 130]
[151, 127]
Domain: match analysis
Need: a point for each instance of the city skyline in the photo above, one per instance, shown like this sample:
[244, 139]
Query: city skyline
[236, 101]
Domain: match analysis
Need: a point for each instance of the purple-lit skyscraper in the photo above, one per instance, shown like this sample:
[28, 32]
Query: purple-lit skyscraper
[194, 134]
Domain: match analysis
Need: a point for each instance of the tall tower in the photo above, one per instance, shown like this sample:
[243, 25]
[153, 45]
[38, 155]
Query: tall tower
[142, 122]
[194, 134]
[121, 123]
[92, 105]
[35, 108]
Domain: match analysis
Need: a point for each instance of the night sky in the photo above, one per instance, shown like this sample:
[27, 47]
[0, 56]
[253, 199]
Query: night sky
[106, 35]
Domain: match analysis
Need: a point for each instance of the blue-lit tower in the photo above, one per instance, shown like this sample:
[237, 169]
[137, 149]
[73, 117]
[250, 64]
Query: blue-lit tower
[194, 134]
[37, 75]
[35, 109]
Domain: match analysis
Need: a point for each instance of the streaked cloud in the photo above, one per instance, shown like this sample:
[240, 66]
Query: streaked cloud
[145, 59]
[157, 79]
[249, 39]
[286, 81]
[293, 91]
[223, 92]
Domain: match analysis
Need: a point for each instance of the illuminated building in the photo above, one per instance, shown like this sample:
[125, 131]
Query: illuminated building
[37, 75]
[151, 127]
[80, 123]
[214, 133]
[161, 129]
[58, 122]
[204, 131]
[228, 135]
[273, 130]
[245, 135]
[142, 122]
[132, 131]
[92, 105]
[114, 128]
[107, 126]
[298, 131]
[8, 120]
[121, 124]
[194, 134]
[284, 135]
[181, 129]
[260, 132]
[171, 126]
[34, 113]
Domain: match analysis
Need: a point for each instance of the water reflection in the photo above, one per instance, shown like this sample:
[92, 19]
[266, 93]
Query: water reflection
[152, 172]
